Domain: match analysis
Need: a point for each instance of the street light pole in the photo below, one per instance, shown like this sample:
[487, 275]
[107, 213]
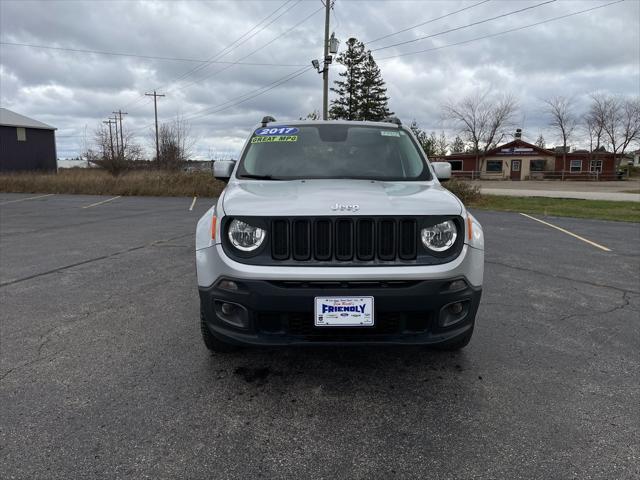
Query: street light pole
[325, 71]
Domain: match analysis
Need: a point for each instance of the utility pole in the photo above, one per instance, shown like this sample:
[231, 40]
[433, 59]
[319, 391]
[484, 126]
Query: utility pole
[120, 113]
[155, 108]
[325, 71]
[115, 122]
[110, 137]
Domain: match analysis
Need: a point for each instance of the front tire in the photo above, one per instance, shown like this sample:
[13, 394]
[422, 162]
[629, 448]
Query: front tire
[213, 343]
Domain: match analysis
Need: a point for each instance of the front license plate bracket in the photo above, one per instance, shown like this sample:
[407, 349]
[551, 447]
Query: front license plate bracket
[344, 312]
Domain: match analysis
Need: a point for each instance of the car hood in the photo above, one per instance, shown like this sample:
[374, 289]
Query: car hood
[317, 197]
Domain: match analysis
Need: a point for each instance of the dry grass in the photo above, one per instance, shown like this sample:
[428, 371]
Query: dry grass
[99, 182]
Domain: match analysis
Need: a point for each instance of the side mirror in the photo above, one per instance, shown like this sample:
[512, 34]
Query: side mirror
[443, 170]
[222, 169]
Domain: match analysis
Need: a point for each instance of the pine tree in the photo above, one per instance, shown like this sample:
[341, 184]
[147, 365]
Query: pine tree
[373, 93]
[347, 105]
[441, 145]
[426, 142]
[458, 145]
[362, 94]
[315, 115]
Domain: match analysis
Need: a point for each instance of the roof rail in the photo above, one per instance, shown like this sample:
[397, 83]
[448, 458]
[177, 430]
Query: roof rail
[267, 119]
[395, 120]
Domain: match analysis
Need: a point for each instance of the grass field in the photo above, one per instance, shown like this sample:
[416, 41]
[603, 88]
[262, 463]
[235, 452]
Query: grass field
[562, 207]
[99, 182]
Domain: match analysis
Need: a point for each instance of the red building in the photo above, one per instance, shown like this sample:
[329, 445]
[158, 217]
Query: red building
[519, 160]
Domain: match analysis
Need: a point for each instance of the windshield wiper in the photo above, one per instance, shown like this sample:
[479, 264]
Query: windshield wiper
[258, 177]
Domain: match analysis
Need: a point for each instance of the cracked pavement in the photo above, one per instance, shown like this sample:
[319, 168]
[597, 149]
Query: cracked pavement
[103, 373]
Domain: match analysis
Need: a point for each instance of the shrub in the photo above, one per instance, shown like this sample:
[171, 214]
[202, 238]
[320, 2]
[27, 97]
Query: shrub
[465, 191]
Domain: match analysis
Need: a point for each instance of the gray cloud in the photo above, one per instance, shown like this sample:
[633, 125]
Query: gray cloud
[597, 51]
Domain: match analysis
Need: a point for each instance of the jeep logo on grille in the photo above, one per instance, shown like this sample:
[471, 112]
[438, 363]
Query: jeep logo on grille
[339, 207]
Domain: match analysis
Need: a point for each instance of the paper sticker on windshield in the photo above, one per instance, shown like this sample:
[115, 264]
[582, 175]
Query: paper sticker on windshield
[271, 139]
[277, 131]
[389, 133]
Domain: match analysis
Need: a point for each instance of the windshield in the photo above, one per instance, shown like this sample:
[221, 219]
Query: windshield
[332, 151]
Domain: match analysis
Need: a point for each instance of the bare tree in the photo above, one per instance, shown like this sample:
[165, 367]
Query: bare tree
[618, 120]
[175, 143]
[483, 120]
[102, 154]
[594, 125]
[562, 118]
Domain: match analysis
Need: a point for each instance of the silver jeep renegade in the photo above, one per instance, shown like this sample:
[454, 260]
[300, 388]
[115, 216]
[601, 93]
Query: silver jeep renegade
[337, 232]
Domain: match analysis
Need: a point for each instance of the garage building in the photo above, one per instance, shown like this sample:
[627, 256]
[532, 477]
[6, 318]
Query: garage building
[26, 144]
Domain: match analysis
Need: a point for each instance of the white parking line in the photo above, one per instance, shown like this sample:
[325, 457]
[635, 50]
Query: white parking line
[594, 244]
[25, 199]
[193, 203]
[100, 203]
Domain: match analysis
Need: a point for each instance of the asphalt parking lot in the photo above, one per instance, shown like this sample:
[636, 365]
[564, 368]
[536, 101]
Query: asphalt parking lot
[104, 375]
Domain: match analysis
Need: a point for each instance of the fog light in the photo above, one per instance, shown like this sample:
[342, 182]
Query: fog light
[453, 313]
[228, 285]
[232, 313]
[454, 308]
[227, 308]
[457, 285]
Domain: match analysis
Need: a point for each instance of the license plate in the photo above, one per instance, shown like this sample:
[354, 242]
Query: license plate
[344, 312]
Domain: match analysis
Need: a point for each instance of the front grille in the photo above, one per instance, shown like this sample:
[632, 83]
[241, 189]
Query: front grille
[340, 241]
[344, 239]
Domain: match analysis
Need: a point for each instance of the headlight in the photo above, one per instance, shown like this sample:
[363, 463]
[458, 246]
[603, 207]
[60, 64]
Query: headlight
[439, 237]
[245, 237]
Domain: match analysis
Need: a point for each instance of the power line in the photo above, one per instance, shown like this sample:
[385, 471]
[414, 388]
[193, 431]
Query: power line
[233, 45]
[264, 45]
[229, 48]
[552, 19]
[150, 57]
[239, 99]
[279, 81]
[368, 42]
[465, 26]
[291, 77]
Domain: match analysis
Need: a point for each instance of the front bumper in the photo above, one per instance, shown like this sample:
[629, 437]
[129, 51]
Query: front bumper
[276, 312]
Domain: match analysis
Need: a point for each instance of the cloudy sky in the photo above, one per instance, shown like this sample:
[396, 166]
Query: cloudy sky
[268, 44]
